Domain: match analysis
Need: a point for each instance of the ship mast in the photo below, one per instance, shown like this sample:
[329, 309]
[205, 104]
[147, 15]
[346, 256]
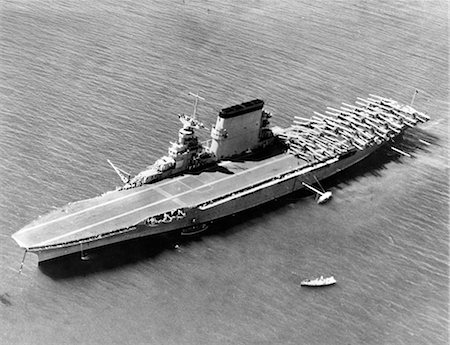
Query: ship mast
[197, 97]
[191, 121]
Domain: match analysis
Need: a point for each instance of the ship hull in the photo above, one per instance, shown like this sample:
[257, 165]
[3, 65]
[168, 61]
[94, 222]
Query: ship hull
[272, 188]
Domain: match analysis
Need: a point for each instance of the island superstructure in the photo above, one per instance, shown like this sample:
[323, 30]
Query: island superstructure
[245, 163]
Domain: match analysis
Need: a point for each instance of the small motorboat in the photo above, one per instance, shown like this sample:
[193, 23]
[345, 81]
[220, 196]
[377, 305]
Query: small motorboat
[319, 281]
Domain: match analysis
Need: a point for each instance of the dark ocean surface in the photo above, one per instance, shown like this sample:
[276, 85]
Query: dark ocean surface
[86, 81]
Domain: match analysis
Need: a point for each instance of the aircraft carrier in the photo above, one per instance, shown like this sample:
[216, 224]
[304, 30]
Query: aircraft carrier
[245, 163]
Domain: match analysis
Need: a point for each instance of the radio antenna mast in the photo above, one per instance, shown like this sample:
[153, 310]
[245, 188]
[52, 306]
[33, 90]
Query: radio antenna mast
[197, 97]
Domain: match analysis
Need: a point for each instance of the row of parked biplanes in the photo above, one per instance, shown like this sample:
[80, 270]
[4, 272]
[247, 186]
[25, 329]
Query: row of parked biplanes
[371, 121]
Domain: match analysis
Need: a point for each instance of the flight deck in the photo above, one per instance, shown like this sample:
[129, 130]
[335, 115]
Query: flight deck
[125, 208]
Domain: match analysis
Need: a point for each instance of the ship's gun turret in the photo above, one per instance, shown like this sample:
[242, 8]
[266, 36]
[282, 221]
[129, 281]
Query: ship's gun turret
[164, 163]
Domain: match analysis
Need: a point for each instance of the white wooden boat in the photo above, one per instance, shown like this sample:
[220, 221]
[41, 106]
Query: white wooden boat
[319, 281]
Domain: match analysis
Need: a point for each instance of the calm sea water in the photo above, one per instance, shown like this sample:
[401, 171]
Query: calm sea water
[86, 81]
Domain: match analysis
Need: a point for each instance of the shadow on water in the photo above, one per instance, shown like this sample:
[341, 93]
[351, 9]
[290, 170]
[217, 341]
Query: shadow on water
[109, 257]
[377, 161]
[129, 252]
